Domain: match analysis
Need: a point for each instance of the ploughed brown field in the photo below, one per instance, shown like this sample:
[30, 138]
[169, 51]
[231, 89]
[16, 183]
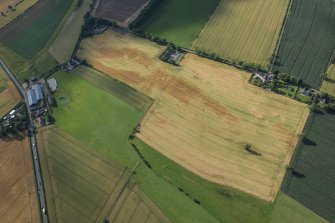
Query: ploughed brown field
[120, 11]
[205, 113]
[18, 199]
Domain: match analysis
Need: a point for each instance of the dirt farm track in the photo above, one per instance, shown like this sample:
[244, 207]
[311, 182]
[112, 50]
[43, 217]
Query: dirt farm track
[200, 98]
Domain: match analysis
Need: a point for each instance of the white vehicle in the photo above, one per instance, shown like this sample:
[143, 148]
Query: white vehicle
[43, 210]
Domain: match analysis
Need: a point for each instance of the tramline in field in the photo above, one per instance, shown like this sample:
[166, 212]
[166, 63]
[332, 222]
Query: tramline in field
[244, 30]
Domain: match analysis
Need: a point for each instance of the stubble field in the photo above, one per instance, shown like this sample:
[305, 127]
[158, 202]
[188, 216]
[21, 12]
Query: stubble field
[209, 99]
[83, 187]
[9, 96]
[244, 30]
[18, 200]
[308, 40]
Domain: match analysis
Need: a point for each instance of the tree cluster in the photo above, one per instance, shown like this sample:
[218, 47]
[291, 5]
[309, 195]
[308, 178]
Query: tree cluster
[92, 24]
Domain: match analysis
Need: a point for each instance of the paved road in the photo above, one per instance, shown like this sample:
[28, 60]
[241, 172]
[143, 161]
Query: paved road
[33, 146]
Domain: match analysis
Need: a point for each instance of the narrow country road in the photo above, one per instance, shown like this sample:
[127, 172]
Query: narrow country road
[33, 146]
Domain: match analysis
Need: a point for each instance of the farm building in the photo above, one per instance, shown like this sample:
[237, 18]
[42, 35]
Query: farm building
[52, 84]
[35, 95]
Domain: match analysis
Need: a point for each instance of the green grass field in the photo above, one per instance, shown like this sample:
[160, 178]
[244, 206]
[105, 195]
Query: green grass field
[115, 87]
[180, 21]
[311, 181]
[308, 41]
[290, 211]
[328, 86]
[64, 44]
[244, 30]
[103, 122]
[34, 37]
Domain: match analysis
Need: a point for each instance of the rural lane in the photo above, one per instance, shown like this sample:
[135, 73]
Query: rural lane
[33, 146]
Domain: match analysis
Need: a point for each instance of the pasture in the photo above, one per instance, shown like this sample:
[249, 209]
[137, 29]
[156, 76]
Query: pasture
[18, 199]
[290, 211]
[102, 122]
[244, 30]
[83, 187]
[62, 47]
[210, 99]
[179, 21]
[311, 179]
[17, 8]
[9, 95]
[121, 11]
[308, 41]
[328, 86]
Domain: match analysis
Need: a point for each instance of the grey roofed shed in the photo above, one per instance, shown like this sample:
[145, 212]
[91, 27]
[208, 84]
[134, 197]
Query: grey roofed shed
[52, 84]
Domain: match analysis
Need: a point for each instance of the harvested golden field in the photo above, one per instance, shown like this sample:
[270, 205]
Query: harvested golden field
[18, 200]
[9, 95]
[17, 8]
[244, 30]
[205, 113]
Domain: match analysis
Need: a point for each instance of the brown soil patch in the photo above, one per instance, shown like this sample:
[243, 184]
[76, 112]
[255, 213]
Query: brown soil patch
[121, 11]
[204, 113]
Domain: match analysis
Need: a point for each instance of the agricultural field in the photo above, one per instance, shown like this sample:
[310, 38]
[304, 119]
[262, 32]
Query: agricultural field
[24, 44]
[137, 100]
[328, 86]
[290, 211]
[18, 199]
[27, 37]
[82, 186]
[311, 178]
[244, 30]
[9, 95]
[308, 40]
[121, 11]
[179, 21]
[102, 122]
[199, 98]
[17, 7]
[65, 42]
